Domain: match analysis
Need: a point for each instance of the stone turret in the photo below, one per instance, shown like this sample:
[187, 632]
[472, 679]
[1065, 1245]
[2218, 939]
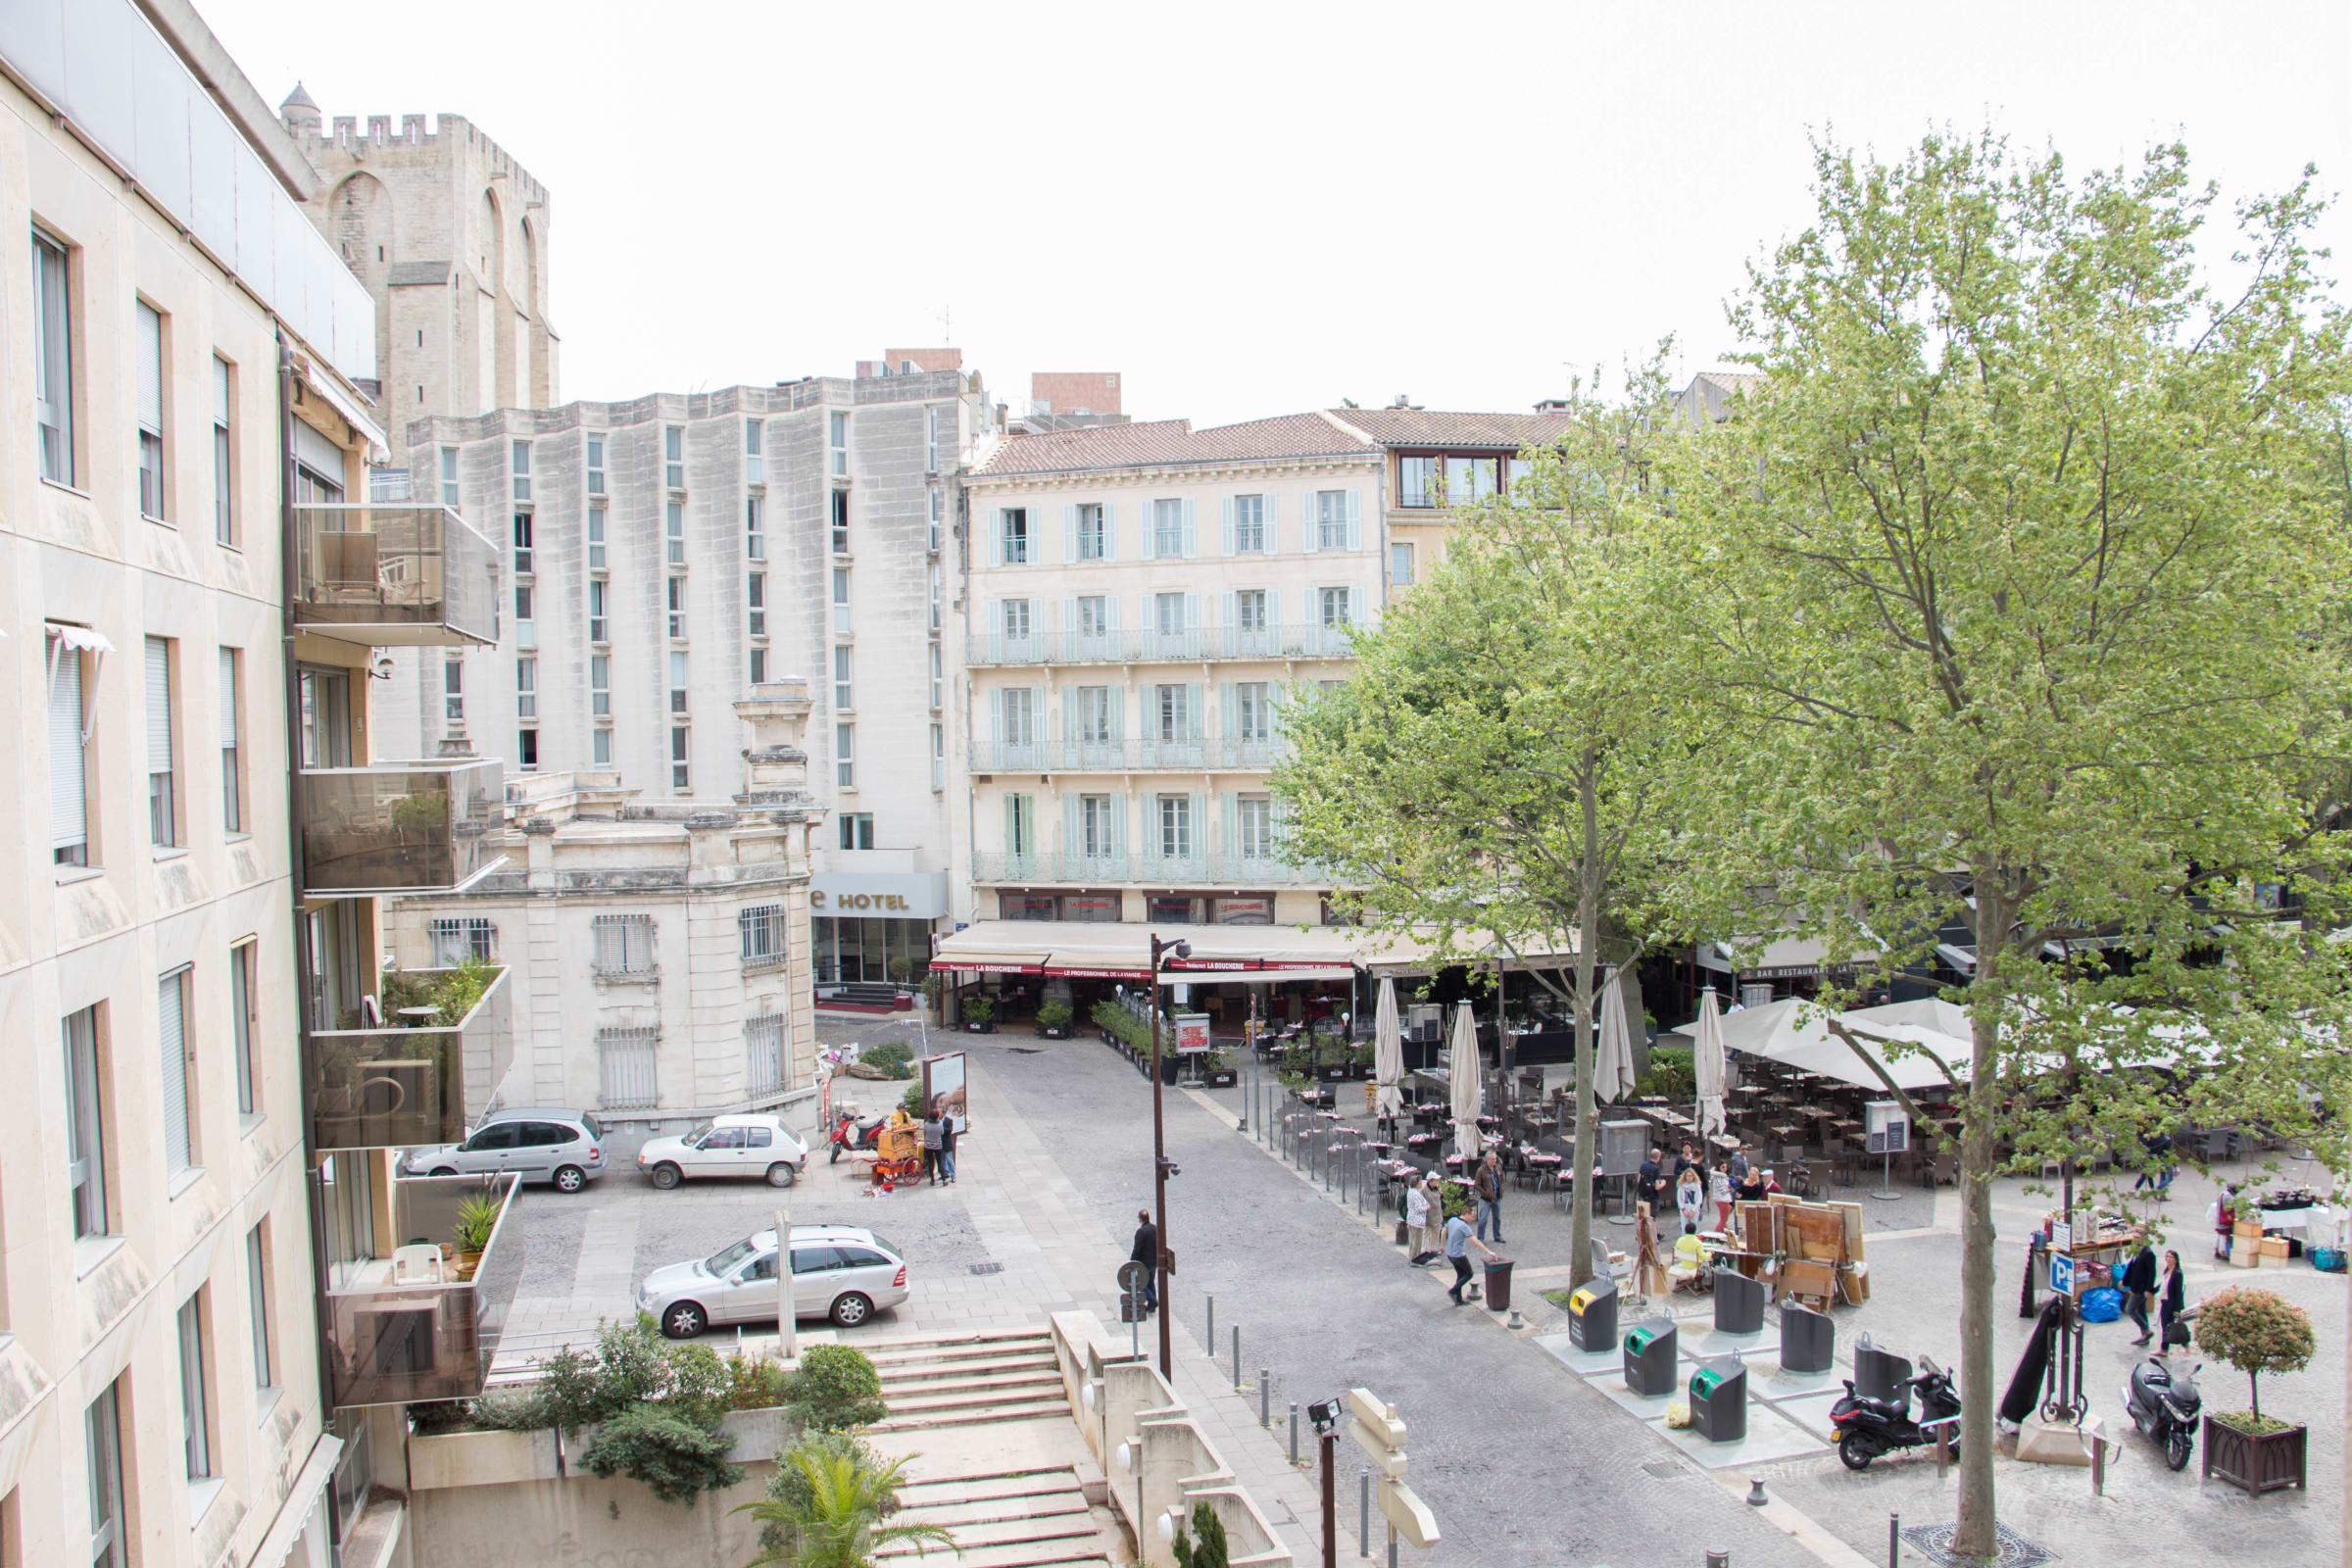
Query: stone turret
[300, 114]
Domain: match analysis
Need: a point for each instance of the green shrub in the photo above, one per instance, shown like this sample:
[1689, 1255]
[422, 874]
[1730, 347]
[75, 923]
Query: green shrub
[981, 1009]
[1456, 1198]
[842, 1517]
[834, 1389]
[912, 1101]
[630, 1365]
[1298, 1056]
[455, 991]
[441, 1415]
[1054, 1013]
[891, 1057]
[1669, 1075]
[753, 1382]
[1123, 1025]
[1203, 1545]
[790, 1494]
[678, 1458]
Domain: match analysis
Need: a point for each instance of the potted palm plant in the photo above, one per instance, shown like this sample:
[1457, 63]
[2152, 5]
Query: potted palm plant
[2255, 1332]
[1331, 1059]
[477, 1220]
[839, 1515]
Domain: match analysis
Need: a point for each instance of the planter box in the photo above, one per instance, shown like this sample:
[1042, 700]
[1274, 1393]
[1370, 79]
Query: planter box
[1333, 1075]
[1224, 1079]
[758, 1434]
[1049, 1032]
[481, 1459]
[2257, 1464]
[979, 1026]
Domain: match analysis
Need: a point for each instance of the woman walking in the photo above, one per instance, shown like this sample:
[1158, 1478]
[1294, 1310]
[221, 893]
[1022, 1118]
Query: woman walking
[2172, 1297]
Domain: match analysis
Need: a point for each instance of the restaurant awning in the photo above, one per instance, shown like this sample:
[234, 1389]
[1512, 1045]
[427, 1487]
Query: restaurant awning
[1115, 951]
[1421, 954]
[1782, 959]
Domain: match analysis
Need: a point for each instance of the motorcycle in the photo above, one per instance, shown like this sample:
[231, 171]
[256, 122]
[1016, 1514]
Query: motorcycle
[2165, 1406]
[851, 1135]
[1867, 1428]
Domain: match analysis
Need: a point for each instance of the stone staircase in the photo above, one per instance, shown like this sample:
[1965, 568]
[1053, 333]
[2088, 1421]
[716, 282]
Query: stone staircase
[1006, 1519]
[969, 1380]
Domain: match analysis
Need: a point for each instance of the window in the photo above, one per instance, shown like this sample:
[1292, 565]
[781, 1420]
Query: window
[86, 1125]
[677, 680]
[232, 770]
[452, 690]
[841, 523]
[938, 678]
[931, 532]
[1167, 530]
[1249, 527]
[759, 666]
[624, 944]
[841, 677]
[1175, 828]
[1333, 606]
[938, 756]
[526, 611]
[225, 466]
[179, 1126]
[257, 1294]
[600, 748]
[1092, 619]
[596, 465]
[1013, 528]
[527, 688]
[523, 470]
[1097, 834]
[677, 607]
[1167, 611]
[1091, 714]
[1021, 715]
[678, 773]
[938, 592]
[763, 1071]
[458, 938]
[1400, 565]
[837, 442]
[754, 527]
[526, 750]
[755, 461]
[673, 457]
[755, 600]
[1469, 480]
[1014, 615]
[1174, 707]
[626, 1064]
[763, 932]
[1026, 906]
[596, 539]
[1253, 828]
[102, 1443]
[522, 544]
[841, 599]
[1249, 609]
[931, 440]
[163, 805]
[856, 830]
[845, 755]
[148, 350]
[1252, 711]
[597, 626]
[243, 988]
[1331, 520]
[195, 1417]
[448, 478]
[1020, 824]
[674, 533]
[53, 358]
[69, 743]
[1091, 535]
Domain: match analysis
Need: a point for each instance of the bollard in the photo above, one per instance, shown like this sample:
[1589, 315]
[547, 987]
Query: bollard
[2098, 1468]
[1943, 1450]
[1211, 1340]
[1265, 1399]
[1391, 1547]
[1237, 1357]
[1895, 1540]
[1294, 1432]
[1719, 1559]
[1363, 1513]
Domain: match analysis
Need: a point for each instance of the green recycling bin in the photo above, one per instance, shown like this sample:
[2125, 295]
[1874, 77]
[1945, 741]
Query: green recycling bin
[1650, 1358]
[1719, 1401]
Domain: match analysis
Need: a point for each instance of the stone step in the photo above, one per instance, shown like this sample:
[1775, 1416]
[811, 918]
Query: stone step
[971, 1366]
[1051, 1539]
[982, 1394]
[1018, 1384]
[990, 1485]
[1086, 1553]
[1053, 1507]
[1057, 1408]
[897, 1353]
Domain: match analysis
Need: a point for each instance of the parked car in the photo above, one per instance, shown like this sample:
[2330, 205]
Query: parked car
[534, 1143]
[727, 1145]
[843, 1272]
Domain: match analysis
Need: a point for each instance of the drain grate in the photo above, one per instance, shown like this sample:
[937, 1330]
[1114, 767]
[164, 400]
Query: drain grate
[1666, 1469]
[984, 1268]
[2009, 1550]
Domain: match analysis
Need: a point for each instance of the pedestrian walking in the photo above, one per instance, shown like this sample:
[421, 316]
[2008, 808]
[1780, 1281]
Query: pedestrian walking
[1719, 1189]
[1650, 1185]
[931, 1144]
[2222, 1215]
[2171, 1299]
[947, 1145]
[1459, 1241]
[1689, 1195]
[1145, 1252]
[1489, 1195]
[2138, 1285]
[1738, 1164]
[1416, 1223]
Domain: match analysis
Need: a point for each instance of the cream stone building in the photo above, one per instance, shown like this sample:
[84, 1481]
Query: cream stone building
[182, 932]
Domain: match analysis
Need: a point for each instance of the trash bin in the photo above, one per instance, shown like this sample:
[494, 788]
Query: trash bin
[1718, 1402]
[1498, 1285]
[1592, 1316]
[1808, 1339]
[1650, 1358]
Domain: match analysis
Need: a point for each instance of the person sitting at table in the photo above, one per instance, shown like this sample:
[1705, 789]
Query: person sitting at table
[1689, 1270]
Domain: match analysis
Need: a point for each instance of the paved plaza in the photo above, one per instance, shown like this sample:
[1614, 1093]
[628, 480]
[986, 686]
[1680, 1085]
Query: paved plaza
[1524, 1459]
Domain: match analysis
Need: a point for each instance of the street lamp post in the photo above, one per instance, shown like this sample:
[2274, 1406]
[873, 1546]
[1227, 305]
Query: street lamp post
[1162, 951]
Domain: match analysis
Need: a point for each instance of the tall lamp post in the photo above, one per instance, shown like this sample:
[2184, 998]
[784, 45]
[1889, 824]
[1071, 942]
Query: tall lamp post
[1161, 952]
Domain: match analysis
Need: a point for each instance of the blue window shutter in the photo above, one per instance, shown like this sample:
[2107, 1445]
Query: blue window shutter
[1110, 532]
[1186, 512]
[996, 553]
[1273, 608]
[1229, 833]
[1273, 505]
[1151, 531]
[1192, 712]
[1110, 612]
[1192, 620]
[1355, 519]
[1310, 523]
[995, 717]
[1199, 844]
[1069, 532]
[1231, 720]
[1225, 512]
[1118, 712]
[1229, 611]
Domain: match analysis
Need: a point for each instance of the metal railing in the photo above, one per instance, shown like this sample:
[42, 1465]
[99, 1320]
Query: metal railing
[1185, 754]
[1150, 644]
[405, 1327]
[1089, 870]
[398, 1088]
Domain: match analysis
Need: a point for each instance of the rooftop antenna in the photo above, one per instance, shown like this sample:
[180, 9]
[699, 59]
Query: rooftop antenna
[947, 325]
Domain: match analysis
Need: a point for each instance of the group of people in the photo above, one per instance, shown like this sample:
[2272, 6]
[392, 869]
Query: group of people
[2142, 1283]
[1432, 1233]
[939, 1143]
[1696, 1191]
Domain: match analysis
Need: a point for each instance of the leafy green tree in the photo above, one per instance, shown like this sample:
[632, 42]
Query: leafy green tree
[678, 1458]
[2024, 559]
[842, 1518]
[1501, 767]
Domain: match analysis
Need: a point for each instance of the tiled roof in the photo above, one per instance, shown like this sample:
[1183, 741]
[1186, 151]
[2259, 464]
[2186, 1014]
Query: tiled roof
[1162, 442]
[1419, 427]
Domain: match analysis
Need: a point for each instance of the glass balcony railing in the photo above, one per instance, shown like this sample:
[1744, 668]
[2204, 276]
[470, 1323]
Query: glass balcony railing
[394, 576]
[406, 1326]
[1152, 645]
[399, 1088]
[1099, 870]
[1181, 755]
[398, 828]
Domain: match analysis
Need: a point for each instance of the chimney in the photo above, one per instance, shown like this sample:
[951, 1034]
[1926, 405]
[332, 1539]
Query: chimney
[1557, 405]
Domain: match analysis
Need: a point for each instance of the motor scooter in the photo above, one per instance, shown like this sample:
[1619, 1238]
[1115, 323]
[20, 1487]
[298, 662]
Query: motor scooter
[1867, 1428]
[851, 1135]
[2165, 1405]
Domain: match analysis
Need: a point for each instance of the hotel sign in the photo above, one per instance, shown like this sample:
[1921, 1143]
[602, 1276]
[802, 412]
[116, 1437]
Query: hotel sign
[892, 895]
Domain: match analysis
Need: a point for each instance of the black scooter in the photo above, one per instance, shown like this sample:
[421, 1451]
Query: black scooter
[1867, 1428]
[2165, 1406]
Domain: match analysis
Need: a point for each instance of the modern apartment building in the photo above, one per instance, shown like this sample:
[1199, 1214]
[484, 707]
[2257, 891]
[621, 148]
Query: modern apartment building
[195, 1220]
[665, 558]
[1141, 599]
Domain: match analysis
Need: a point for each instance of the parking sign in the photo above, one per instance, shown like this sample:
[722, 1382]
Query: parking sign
[2062, 1273]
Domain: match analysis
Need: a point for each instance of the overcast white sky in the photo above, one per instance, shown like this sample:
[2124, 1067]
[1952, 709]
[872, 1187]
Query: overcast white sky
[1248, 209]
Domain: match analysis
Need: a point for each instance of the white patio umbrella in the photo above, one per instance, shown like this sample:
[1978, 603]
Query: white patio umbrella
[1706, 1058]
[1388, 1051]
[1463, 1069]
[1613, 1051]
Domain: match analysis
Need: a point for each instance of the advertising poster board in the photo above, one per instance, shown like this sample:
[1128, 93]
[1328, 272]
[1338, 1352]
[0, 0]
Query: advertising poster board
[943, 1086]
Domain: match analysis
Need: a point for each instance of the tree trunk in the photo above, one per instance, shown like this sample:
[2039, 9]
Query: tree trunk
[1587, 938]
[1973, 1535]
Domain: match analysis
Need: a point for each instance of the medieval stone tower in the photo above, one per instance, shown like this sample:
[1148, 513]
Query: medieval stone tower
[451, 236]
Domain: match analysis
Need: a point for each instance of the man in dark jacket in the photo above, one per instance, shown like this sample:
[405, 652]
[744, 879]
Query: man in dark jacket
[2138, 1284]
[1650, 1185]
[1145, 1252]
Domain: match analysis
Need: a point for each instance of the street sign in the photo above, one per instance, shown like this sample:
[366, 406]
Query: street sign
[1131, 1307]
[1410, 1516]
[1192, 1033]
[2062, 1273]
[1132, 1275]
[2062, 1236]
[1390, 1462]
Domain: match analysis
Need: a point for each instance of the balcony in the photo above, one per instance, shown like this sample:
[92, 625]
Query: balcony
[407, 1328]
[1058, 868]
[1184, 755]
[398, 828]
[1192, 644]
[401, 1088]
[394, 576]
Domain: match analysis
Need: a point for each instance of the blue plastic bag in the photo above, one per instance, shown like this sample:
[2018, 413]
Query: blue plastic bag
[2327, 1259]
[2103, 1305]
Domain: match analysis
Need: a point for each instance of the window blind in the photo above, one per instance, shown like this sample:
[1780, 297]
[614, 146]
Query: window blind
[159, 705]
[172, 1011]
[69, 805]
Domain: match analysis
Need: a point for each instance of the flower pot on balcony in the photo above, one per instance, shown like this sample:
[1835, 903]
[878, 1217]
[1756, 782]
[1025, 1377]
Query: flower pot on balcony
[2259, 1462]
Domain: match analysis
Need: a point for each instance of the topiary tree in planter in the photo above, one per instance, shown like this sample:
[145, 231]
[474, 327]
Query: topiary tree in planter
[2255, 1332]
[1204, 1545]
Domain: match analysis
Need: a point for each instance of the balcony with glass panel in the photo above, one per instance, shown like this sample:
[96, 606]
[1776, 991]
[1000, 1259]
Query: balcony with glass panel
[422, 1320]
[398, 828]
[418, 1080]
[394, 576]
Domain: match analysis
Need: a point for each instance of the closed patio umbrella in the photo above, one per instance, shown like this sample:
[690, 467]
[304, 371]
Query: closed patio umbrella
[1706, 1058]
[1388, 1052]
[1462, 1068]
[1613, 1051]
